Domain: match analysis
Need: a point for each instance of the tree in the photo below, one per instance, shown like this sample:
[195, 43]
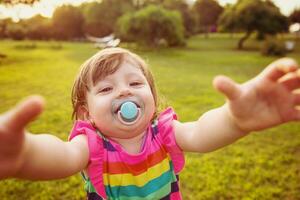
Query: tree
[139, 4]
[16, 31]
[67, 22]
[295, 16]
[255, 15]
[207, 12]
[152, 26]
[226, 21]
[94, 22]
[12, 2]
[2, 29]
[187, 15]
[101, 18]
[38, 28]
[4, 23]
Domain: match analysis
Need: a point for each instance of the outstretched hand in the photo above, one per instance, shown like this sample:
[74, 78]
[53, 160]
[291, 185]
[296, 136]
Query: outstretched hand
[12, 133]
[267, 100]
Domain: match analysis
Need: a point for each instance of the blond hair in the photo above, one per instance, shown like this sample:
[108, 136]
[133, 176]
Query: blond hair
[102, 64]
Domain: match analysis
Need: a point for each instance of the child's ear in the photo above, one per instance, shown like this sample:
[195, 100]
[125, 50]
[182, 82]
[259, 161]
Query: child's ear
[83, 113]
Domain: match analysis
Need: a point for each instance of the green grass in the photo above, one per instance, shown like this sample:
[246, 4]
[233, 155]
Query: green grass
[263, 165]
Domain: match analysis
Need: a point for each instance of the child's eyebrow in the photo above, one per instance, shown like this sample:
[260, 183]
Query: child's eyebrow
[108, 78]
[135, 74]
[104, 78]
[101, 82]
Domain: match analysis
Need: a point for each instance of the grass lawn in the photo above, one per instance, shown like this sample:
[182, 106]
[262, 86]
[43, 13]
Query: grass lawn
[264, 165]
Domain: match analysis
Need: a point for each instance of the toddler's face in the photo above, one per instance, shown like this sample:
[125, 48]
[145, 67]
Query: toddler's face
[127, 83]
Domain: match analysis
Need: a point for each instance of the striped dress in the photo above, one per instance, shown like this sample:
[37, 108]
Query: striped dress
[151, 174]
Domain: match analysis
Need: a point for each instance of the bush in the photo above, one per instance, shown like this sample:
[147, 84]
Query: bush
[26, 46]
[15, 31]
[39, 31]
[38, 28]
[273, 48]
[151, 25]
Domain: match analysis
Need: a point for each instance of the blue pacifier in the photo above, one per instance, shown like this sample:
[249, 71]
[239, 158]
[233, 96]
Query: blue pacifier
[129, 111]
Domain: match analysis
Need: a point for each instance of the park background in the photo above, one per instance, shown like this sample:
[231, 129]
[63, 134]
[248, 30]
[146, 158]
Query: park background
[186, 43]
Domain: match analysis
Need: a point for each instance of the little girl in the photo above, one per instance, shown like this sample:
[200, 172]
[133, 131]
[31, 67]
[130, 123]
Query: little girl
[124, 147]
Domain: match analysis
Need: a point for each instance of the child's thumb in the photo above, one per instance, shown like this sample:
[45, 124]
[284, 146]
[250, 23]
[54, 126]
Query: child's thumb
[26, 111]
[227, 86]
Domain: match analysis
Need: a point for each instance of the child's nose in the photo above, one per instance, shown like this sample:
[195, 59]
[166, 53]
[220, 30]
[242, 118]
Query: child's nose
[124, 92]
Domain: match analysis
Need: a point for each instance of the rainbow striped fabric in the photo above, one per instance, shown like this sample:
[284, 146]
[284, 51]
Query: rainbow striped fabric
[150, 174]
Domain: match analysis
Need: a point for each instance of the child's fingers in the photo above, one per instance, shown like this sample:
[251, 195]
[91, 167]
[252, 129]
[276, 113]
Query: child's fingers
[297, 115]
[16, 119]
[227, 86]
[279, 68]
[296, 98]
[291, 81]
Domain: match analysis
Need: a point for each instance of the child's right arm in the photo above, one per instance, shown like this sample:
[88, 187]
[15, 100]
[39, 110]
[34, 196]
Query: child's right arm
[269, 99]
[36, 157]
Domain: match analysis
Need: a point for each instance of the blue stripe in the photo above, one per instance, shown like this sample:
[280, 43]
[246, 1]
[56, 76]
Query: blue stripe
[152, 186]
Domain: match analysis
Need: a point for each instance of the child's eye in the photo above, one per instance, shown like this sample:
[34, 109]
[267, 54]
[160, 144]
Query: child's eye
[136, 83]
[105, 90]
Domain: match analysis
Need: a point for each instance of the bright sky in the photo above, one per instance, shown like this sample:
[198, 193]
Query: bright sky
[47, 7]
[43, 7]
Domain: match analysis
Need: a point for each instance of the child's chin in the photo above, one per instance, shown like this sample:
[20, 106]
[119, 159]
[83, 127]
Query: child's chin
[137, 126]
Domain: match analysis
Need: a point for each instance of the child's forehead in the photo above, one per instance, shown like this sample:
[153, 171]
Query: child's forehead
[126, 68]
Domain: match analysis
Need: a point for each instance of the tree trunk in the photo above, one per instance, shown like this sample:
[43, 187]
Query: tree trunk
[243, 39]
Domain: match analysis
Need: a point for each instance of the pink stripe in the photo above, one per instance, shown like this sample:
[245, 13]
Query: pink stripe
[165, 127]
[95, 146]
[176, 196]
[123, 156]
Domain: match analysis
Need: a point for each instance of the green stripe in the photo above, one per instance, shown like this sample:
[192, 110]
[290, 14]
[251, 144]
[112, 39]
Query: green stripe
[151, 187]
[88, 186]
[162, 192]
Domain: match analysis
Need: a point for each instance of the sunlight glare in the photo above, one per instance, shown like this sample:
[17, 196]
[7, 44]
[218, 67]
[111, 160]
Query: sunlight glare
[43, 7]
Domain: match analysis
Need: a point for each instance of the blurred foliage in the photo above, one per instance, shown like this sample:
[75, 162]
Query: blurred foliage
[272, 47]
[188, 16]
[16, 31]
[101, 18]
[181, 6]
[207, 13]
[38, 28]
[203, 16]
[255, 15]
[3, 26]
[13, 2]
[152, 25]
[67, 22]
[295, 16]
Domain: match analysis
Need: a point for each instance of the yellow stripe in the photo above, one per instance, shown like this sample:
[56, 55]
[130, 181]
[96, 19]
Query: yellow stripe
[140, 180]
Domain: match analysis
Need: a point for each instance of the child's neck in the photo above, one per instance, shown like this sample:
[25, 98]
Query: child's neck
[132, 145]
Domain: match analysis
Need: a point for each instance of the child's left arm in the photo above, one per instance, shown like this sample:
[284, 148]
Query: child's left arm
[265, 101]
